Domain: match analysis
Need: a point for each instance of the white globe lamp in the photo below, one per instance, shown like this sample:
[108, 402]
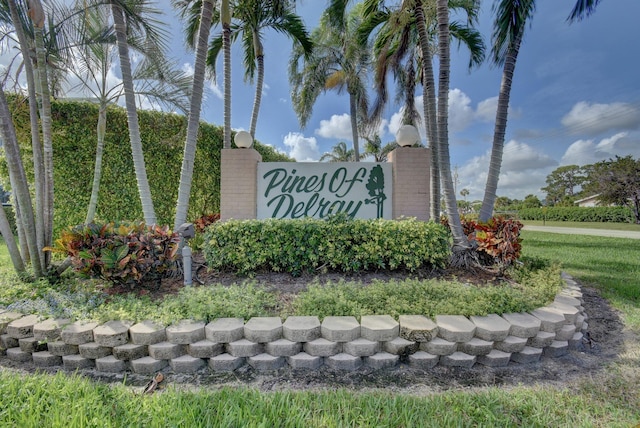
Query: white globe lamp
[407, 136]
[243, 139]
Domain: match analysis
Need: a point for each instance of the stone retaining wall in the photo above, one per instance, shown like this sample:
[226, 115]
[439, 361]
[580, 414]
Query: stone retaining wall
[301, 342]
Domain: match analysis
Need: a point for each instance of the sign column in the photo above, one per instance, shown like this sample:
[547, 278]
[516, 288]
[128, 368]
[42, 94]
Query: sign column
[238, 183]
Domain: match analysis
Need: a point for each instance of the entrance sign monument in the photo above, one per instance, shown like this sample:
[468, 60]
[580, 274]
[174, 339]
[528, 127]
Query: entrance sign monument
[252, 189]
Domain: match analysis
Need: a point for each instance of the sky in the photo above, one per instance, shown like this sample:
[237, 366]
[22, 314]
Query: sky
[575, 98]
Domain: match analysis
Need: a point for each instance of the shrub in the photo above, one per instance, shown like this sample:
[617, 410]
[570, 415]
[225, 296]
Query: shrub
[127, 253]
[579, 214]
[341, 244]
[163, 134]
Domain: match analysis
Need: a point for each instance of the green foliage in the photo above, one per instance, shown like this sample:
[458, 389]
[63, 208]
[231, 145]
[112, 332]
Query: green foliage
[197, 303]
[537, 288]
[563, 182]
[579, 214]
[618, 182]
[163, 135]
[127, 253]
[304, 245]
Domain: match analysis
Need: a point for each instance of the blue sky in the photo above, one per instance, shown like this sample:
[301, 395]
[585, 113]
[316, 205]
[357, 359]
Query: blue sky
[575, 99]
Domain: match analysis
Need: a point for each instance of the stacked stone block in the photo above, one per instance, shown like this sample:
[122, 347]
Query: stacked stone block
[300, 342]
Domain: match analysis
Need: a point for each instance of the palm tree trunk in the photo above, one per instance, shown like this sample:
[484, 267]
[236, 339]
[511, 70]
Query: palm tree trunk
[258, 97]
[9, 240]
[132, 115]
[188, 159]
[429, 111]
[37, 16]
[459, 239]
[97, 169]
[19, 184]
[36, 147]
[353, 111]
[497, 148]
[226, 44]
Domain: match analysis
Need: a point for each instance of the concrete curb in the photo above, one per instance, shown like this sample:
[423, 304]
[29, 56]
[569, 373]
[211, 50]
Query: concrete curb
[302, 342]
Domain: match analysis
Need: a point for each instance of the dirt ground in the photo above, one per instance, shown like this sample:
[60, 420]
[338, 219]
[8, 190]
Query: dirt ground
[603, 344]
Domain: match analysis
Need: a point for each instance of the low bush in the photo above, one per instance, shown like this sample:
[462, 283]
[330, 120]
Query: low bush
[537, 287]
[341, 244]
[579, 214]
[125, 253]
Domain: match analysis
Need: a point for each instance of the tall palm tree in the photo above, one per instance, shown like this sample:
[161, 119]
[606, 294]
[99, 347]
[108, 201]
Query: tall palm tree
[139, 13]
[340, 61]
[252, 17]
[37, 15]
[225, 20]
[460, 241]
[339, 153]
[93, 55]
[403, 42]
[188, 159]
[31, 226]
[509, 26]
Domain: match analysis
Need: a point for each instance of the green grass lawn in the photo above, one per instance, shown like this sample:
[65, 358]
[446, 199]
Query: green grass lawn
[607, 398]
[584, 225]
[610, 264]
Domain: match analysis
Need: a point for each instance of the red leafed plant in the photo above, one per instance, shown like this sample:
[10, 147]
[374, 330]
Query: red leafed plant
[497, 241]
[499, 238]
[201, 223]
[123, 253]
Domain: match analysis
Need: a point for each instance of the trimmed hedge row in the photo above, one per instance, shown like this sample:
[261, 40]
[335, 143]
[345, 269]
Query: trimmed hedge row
[580, 214]
[304, 245]
[163, 135]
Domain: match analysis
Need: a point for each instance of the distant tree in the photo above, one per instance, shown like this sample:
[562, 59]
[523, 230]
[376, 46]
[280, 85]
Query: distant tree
[373, 147]
[502, 203]
[531, 201]
[563, 182]
[464, 193]
[617, 182]
[339, 153]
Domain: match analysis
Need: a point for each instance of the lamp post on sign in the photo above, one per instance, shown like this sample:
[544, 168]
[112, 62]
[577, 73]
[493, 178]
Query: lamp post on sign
[407, 136]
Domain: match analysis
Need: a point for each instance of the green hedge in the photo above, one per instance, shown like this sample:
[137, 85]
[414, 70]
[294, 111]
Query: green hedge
[163, 135]
[297, 246]
[580, 214]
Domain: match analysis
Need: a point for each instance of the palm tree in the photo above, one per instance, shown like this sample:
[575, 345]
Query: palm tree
[252, 17]
[340, 61]
[31, 226]
[225, 19]
[339, 153]
[154, 78]
[399, 48]
[582, 9]
[373, 147]
[188, 159]
[460, 241]
[509, 26]
[137, 13]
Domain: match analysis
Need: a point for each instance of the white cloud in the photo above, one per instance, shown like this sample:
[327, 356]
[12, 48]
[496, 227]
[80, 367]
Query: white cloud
[523, 172]
[592, 119]
[338, 126]
[522, 157]
[486, 110]
[461, 114]
[301, 148]
[587, 152]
